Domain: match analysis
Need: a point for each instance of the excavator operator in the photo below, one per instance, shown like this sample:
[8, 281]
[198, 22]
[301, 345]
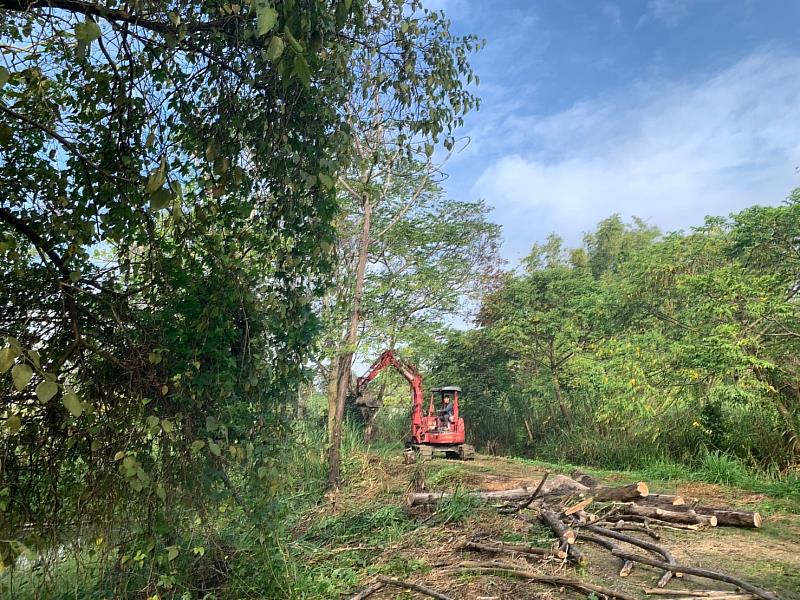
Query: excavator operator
[445, 413]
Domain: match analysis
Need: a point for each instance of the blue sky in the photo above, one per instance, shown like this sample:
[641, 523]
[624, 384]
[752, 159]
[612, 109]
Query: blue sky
[665, 109]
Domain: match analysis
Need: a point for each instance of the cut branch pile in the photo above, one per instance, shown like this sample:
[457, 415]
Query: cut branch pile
[621, 514]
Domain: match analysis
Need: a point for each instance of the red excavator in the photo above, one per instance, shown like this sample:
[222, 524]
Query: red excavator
[432, 432]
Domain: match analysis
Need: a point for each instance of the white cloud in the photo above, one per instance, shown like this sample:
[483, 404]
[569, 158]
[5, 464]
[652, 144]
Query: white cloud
[670, 152]
[613, 12]
[669, 12]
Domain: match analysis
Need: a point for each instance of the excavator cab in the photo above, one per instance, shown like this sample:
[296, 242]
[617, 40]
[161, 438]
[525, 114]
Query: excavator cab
[446, 412]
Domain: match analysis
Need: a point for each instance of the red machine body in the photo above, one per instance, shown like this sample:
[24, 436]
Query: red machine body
[428, 431]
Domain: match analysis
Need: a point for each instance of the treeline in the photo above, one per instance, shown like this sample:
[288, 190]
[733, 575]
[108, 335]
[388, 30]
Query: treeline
[639, 346]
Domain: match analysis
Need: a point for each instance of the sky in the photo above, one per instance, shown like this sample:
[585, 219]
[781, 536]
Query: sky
[669, 110]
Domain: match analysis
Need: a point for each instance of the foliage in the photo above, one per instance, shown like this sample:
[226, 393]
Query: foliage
[651, 347]
[167, 202]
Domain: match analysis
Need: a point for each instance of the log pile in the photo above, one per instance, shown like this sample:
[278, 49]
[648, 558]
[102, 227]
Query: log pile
[614, 518]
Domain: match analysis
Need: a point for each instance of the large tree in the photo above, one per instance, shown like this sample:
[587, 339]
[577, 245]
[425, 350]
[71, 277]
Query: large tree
[167, 197]
[427, 262]
[413, 75]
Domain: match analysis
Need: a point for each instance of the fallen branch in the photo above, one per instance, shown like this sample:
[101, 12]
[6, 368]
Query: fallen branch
[697, 572]
[504, 547]
[368, 591]
[695, 593]
[688, 517]
[509, 509]
[627, 565]
[413, 586]
[628, 539]
[644, 528]
[514, 570]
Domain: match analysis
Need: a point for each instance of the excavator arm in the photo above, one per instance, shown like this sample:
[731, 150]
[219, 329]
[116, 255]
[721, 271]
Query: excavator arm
[407, 370]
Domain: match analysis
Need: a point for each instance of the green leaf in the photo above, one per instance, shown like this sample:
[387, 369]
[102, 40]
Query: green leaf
[172, 552]
[7, 357]
[275, 48]
[13, 423]
[215, 449]
[267, 17]
[157, 177]
[325, 180]
[301, 70]
[167, 425]
[4, 76]
[119, 455]
[74, 276]
[21, 375]
[154, 358]
[198, 445]
[86, 32]
[46, 390]
[160, 492]
[73, 404]
[160, 199]
[152, 422]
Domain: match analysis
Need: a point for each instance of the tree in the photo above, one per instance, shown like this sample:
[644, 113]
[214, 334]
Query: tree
[546, 316]
[413, 74]
[168, 188]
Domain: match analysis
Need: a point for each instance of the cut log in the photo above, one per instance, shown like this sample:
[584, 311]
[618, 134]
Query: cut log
[505, 547]
[625, 493]
[688, 517]
[763, 594]
[515, 508]
[654, 522]
[664, 500]
[578, 507]
[565, 535]
[731, 518]
[725, 516]
[515, 570]
[555, 486]
[419, 499]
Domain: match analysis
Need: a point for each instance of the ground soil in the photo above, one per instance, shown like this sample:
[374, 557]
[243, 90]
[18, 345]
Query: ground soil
[768, 557]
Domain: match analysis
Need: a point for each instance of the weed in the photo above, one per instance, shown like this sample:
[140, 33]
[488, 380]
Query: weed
[456, 508]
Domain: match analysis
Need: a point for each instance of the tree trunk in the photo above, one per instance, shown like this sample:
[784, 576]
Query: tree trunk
[333, 380]
[565, 411]
[369, 415]
[346, 362]
[302, 395]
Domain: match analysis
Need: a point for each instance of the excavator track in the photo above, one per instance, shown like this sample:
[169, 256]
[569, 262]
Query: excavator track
[429, 451]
